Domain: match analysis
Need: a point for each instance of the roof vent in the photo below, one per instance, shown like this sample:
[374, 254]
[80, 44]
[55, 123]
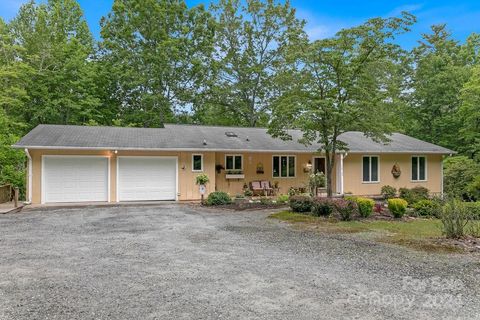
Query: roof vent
[231, 134]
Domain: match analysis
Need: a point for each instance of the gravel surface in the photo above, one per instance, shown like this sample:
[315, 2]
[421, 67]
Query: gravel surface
[182, 262]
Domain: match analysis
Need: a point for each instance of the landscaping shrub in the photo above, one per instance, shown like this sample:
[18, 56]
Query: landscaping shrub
[414, 195]
[365, 206]
[315, 181]
[473, 209]
[265, 200]
[427, 208]
[300, 203]
[218, 198]
[345, 208]
[322, 206]
[248, 193]
[283, 198]
[459, 174]
[397, 207]
[455, 218]
[388, 192]
[378, 208]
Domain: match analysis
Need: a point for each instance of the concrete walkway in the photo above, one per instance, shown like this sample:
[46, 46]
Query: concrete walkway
[10, 207]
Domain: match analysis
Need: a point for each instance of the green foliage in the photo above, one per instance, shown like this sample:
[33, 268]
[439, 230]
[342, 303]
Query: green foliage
[322, 207]
[315, 181]
[427, 208]
[473, 189]
[459, 173]
[345, 208]
[442, 67]
[469, 116]
[283, 198]
[388, 192]
[248, 193]
[455, 218]
[473, 209]
[250, 41]
[347, 82]
[158, 56]
[397, 207]
[365, 206]
[218, 198]
[414, 195]
[300, 203]
[202, 179]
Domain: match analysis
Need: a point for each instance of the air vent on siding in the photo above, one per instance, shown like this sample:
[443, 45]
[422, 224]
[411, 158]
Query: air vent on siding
[231, 134]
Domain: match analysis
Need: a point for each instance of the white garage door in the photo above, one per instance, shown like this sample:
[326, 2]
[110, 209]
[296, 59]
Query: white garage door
[147, 178]
[75, 179]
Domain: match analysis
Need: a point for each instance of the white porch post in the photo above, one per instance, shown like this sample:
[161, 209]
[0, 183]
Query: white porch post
[341, 174]
[29, 176]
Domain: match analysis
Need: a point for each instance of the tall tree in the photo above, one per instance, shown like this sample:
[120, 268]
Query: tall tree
[469, 116]
[442, 67]
[250, 41]
[157, 52]
[57, 46]
[340, 84]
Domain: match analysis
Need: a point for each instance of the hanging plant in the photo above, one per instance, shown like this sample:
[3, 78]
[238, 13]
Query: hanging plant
[202, 179]
[260, 168]
[396, 172]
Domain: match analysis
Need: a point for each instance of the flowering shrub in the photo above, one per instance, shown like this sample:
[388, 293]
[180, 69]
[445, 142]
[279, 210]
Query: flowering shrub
[315, 181]
[322, 206]
[345, 208]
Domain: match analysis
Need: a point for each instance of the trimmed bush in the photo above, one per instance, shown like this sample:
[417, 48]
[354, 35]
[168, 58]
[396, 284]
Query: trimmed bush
[427, 208]
[322, 207]
[388, 192]
[300, 203]
[218, 198]
[397, 207]
[365, 206]
[345, 208]
[414, 195]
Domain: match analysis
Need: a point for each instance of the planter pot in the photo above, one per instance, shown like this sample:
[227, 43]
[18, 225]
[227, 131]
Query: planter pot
[234, 176]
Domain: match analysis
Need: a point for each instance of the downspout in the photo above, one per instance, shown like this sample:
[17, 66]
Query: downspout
[29, 176]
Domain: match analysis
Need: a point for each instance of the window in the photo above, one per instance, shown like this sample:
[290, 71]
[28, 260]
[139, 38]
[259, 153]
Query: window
[419, 168]
[284, 166]
[233, 162]
[197, 162]
[370, 169]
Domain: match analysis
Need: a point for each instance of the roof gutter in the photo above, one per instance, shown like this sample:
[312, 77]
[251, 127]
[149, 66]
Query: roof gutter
[449, 152]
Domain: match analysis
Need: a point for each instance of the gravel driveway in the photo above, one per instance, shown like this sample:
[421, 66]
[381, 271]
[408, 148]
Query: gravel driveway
[181, 262]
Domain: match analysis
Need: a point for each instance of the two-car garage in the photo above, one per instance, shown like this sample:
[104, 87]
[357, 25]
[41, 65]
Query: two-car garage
[90, 178]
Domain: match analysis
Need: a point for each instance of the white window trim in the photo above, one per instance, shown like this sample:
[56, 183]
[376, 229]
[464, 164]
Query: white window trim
[288, 162]
[234, 155]
[418, 168]
[370, 168]
[197, 154]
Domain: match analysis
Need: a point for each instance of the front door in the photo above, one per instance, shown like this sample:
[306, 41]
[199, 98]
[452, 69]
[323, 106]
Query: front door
[320, 165]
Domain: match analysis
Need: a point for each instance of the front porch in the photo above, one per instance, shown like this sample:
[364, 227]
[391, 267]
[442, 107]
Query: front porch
[235, 173]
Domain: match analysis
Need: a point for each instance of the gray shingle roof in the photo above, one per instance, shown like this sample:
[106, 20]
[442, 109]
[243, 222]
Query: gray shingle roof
[192, 137]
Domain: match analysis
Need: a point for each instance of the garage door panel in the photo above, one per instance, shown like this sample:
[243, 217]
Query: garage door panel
[146, 178]
[75, 179]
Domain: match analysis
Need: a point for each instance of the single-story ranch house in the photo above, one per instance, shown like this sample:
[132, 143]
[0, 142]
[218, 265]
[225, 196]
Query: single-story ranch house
[112, 164]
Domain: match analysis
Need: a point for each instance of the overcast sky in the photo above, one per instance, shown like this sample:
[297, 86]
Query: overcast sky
[325, 17]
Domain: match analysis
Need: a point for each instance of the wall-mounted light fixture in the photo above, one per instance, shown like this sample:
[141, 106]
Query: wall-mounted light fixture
[308, 167]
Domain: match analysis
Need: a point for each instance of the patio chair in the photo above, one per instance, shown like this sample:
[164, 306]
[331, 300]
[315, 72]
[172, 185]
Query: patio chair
[267, 188]
[256, 188]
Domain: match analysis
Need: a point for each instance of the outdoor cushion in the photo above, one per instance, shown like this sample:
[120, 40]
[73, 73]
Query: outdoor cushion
[256, 185]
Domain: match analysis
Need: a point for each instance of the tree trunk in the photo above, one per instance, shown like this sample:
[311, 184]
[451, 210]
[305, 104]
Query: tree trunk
[330, 157]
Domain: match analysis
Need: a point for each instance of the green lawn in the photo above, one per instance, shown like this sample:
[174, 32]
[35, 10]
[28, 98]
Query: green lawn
[420, 234]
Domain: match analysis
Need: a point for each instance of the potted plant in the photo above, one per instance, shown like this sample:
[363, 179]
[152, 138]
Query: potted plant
[202, 180]
[234, 174]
